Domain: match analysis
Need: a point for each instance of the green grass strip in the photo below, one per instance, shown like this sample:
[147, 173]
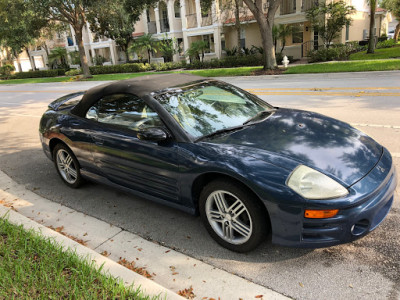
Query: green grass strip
[385, 53]
[349, 66]
[34, 267]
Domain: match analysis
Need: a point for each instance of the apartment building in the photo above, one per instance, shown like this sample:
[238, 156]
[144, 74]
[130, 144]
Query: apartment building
[184, 21]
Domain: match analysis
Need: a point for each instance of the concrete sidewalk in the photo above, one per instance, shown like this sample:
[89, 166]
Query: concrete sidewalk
[170, 270]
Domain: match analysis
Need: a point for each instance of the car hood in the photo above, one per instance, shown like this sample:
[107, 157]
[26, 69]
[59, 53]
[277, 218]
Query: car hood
[325, 144]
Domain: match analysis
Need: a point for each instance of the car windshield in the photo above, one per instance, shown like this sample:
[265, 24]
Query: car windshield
[204, 108]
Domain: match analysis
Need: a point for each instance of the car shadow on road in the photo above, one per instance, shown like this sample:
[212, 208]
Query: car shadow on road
[161, 224]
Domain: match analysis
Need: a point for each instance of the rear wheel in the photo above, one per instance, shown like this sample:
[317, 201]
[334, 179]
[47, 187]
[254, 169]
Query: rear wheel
[233, 217]
[67, 166]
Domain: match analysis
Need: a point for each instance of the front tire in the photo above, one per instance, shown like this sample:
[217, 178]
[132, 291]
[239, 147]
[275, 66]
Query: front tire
[233, 217]
[67, 166]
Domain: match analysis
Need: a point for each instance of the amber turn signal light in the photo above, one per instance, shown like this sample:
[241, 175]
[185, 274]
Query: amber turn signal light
[320, 213]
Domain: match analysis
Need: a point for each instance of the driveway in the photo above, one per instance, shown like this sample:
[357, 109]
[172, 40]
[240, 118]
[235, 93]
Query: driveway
[366, 269]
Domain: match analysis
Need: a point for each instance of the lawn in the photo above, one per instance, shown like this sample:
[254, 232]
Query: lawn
[329, 67]
[242, 71]
[384, 53]
[347, 66]
[32, 266]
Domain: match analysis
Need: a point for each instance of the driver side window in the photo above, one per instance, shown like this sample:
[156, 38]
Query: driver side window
[125, 110]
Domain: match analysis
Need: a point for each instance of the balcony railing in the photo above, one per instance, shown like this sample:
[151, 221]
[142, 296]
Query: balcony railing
[307, 4]
[191, 21]
[164, 25]
[206, 21]
[152, 27]
[288, 7]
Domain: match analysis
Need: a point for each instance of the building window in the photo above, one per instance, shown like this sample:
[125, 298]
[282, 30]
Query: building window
[297, 33]
[209, 39]
[181, 49]
[223, 41]
[242, 38]
[148, 15]
[177, 9]
[347, 32]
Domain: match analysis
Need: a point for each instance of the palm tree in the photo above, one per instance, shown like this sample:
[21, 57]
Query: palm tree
[145, 43]
[197, 50]
[371, 41]
[59, 56]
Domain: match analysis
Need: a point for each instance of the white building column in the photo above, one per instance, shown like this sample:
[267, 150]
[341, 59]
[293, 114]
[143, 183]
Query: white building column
[214, 13]
[157, 20]
[113, 50]
[171, 15]
[298, 6]
[144, 19]
[198, 13]
[183, 14]
[217, 42]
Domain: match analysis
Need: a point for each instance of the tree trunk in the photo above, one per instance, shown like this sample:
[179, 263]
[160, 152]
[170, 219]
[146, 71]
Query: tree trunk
[396, 32]
[31, 59]
[237, 26]
[265, 24]
[82, 55]
[268, 45]
[371, 42]
[149, 54]
[16, 55]
[126, 51]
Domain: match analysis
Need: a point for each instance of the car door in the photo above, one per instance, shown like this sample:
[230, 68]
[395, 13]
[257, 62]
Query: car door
[145, 166]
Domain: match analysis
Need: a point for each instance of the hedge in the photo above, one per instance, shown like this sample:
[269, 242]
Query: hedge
[38, 74]
[124, 68]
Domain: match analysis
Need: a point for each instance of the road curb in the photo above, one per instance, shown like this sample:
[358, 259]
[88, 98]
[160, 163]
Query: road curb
[147, 286]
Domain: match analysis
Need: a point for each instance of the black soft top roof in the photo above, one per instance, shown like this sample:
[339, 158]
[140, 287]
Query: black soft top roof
[140, 86]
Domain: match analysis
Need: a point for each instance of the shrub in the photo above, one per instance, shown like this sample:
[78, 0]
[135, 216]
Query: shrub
[124, 68]
[386, 44]
[382, 38]
[73, 72]
[38, 74]
[335, 52]
[5, 71]
[168, 66]
[99, 60]
[227, 62]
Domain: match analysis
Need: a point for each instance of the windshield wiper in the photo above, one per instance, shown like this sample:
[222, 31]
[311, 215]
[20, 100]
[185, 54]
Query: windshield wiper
[259, 115]
[220, 131]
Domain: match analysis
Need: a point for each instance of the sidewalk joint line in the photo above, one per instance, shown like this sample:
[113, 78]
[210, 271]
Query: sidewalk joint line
[108, 239]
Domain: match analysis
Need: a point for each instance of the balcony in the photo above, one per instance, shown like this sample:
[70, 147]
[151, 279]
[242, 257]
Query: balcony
[152, 27]
[206, 20]
[164, 25]
[288, 7]
[191, 21]
[307, 4]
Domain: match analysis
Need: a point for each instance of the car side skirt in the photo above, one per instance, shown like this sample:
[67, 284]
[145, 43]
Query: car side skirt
[102, 180]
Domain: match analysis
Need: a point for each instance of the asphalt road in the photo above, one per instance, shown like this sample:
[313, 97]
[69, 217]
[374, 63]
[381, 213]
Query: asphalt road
[366, 269]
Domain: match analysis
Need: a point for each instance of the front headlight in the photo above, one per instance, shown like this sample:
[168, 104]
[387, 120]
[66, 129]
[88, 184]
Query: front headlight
[312, 184]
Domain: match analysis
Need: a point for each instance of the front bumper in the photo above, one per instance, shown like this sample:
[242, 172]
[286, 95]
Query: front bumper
[367, 206]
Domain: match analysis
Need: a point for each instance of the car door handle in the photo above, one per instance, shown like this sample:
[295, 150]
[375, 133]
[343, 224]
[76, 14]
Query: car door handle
[97, 140]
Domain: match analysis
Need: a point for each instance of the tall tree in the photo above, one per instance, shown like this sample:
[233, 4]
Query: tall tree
[112, 20]
[71, 12]
[371, 40]
[265, 23]
[19, 26]
[329, 19]
[234, 9]
[394, 7]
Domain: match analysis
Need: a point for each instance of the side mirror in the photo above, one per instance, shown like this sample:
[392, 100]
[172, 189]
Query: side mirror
[155, 134]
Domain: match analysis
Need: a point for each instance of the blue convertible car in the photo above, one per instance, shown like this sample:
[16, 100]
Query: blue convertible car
[210, 148]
